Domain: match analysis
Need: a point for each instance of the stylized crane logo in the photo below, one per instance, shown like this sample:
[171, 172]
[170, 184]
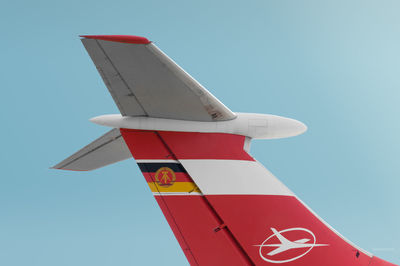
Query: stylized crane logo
[285, 245]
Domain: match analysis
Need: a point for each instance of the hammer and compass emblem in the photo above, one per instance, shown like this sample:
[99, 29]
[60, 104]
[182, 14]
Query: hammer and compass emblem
[165, 177]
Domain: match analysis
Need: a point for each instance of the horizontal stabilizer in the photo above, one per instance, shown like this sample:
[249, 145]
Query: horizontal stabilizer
[108, 149]
[143, 81]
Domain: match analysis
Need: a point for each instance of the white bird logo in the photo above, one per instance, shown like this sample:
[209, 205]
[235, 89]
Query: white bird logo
[286, 245]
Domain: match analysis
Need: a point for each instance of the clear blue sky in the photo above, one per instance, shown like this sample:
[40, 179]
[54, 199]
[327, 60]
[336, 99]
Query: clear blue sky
[334, 65]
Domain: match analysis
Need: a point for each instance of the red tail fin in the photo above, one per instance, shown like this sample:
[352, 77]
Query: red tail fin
[226, 209]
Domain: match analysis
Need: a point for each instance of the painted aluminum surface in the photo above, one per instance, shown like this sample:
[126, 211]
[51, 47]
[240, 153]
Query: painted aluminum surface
[187, 211]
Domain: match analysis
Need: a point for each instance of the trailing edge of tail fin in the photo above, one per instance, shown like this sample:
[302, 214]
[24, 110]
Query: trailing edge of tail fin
[197, 227]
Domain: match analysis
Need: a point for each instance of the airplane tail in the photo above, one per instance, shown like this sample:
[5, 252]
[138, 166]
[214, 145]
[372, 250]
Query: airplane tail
[221, 204]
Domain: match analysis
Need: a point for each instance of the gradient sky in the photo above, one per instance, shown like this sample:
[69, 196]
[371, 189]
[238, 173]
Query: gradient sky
[334, 65]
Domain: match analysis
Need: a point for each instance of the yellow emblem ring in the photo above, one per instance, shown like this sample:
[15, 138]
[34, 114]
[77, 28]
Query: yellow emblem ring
[165, 177]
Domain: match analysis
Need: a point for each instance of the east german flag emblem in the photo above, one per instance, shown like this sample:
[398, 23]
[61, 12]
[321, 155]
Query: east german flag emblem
[165, 177]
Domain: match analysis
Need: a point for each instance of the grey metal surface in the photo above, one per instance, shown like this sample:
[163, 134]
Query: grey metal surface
[143, 81]
[109, 148]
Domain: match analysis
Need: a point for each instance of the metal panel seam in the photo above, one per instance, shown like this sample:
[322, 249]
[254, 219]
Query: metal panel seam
[173, 218]
[122, 79]
[236, 243]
